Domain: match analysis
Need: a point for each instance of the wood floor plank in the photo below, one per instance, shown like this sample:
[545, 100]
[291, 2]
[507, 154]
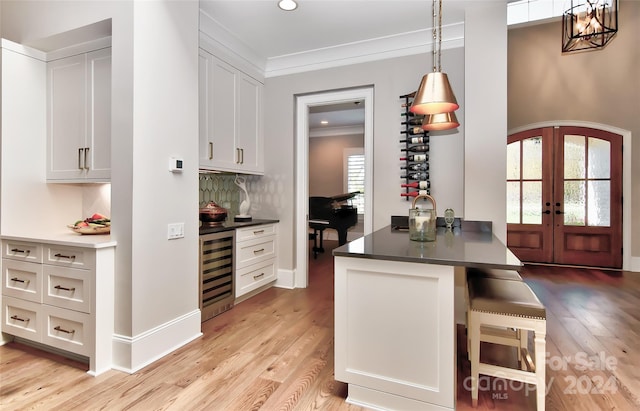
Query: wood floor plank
[274, 351]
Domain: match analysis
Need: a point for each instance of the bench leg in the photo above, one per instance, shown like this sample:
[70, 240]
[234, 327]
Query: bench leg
[474, 351]
[541, 386]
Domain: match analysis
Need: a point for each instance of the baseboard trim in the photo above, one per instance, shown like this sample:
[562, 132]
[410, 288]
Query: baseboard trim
[635, 264]
[131, 354]
[286, 279]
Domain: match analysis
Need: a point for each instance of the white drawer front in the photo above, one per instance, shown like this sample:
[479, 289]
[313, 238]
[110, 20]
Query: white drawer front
[67, 330]
[67, 288]
[70, 257]
[22, 280]
[255, 276]
[255, 231]
[21, 318]
[256, 250]
[17, 250]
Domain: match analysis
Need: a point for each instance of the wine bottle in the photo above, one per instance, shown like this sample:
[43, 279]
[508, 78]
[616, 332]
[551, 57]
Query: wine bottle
[410, 114]
[415, 193]
[415, 157]
[414, 130]
[413, 122]
[417, 167]
[423, 148]
[416, 140]
[423, 185]
[417, 176]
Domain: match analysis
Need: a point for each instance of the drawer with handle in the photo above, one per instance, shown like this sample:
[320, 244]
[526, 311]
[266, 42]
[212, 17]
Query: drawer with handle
[256, 250]
[248, 233]
[69, 257]
[22, 279]
[17, 250]
[66, 329]
[254, 276]
[67, 288]
[21, 318]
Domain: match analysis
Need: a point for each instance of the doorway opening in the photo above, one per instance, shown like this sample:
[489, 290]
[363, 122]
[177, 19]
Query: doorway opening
[305, 105]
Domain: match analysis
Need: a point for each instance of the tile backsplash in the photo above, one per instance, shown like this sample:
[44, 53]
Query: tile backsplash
[222, 189]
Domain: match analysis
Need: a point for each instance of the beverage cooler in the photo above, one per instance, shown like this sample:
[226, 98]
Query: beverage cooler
[216, 273]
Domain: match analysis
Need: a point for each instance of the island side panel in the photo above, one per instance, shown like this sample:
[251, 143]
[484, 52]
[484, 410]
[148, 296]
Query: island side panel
[395, 333]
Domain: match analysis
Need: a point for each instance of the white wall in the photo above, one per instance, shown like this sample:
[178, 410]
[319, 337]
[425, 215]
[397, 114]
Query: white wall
[485, 137]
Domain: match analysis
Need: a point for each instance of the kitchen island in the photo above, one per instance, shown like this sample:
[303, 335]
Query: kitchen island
[396, 304]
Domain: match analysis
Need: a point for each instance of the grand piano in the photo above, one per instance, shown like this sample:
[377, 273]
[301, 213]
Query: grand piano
[331, 212]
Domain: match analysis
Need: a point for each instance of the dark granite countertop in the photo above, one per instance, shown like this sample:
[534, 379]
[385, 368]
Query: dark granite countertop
[457, 248]
[229, 224]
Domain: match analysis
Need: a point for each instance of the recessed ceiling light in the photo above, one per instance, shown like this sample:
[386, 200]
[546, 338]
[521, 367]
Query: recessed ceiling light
[287, 5]
[325, 122]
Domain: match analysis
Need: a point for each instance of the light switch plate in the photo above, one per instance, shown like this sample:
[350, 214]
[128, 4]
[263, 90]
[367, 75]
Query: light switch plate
[175, 230]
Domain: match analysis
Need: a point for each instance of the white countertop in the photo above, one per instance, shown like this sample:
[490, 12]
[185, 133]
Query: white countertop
[69, 238]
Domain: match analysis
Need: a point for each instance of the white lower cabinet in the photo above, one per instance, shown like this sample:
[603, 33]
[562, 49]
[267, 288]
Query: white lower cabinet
[255, 258]
[60, 296]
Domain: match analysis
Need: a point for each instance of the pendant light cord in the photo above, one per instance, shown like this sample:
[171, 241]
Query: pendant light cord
[437, 36]
[435, 33]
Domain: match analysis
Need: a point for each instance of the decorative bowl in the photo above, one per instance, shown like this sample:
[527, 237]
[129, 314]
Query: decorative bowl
[89, 230]
[212, 214]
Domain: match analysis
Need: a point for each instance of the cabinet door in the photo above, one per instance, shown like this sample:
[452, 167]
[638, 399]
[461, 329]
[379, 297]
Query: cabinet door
[205, 103]
[223, 113]
[249, 124]
[66, 117]
[98, 143]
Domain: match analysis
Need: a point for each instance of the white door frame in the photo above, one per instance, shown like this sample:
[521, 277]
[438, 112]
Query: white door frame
[302, 167]
[627, 216]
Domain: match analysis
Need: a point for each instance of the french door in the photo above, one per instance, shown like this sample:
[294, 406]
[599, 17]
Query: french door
[564, 196]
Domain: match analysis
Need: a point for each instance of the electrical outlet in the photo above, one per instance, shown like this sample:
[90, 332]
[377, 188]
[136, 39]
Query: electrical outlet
[175, 230]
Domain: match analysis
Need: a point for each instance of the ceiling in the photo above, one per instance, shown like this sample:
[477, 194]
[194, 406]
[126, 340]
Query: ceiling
[320, 25]
[317, 24]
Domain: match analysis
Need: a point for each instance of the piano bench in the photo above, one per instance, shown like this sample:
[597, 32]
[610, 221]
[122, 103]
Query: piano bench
[318, 226]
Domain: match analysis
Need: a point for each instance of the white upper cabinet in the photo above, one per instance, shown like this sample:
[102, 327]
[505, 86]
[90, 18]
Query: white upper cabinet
[230, 115]
[79, 118]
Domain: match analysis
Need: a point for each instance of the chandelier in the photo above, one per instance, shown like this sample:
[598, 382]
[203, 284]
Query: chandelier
[589, 24]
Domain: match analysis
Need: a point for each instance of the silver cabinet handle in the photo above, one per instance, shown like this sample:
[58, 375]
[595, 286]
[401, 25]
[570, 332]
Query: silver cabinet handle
[237, 155]
[242, 156]
[80, 152]
[210, 150]
[86, 162]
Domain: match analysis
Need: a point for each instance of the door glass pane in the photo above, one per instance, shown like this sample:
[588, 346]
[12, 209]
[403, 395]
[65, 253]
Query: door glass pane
[513, 202]
[532, 202]
[574, 156]
[599, 160]
[532, 158]
[513, 161]
[574, 203]
[599, 203]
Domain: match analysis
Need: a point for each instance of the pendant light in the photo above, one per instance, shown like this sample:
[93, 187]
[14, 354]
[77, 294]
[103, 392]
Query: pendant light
[589, 24]
[440, 121]
[435, 94]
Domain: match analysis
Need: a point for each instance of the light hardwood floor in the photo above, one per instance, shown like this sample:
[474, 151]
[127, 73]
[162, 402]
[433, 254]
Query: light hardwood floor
[275, 352]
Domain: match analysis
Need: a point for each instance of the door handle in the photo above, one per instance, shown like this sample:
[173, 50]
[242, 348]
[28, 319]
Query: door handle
[210, 150]
[86, 162]
[80, 152]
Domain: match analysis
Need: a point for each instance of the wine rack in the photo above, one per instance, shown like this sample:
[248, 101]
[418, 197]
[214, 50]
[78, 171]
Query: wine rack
[415, 152]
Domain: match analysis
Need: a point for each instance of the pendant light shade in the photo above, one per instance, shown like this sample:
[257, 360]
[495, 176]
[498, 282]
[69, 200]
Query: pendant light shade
[434, 95]
[440, 121]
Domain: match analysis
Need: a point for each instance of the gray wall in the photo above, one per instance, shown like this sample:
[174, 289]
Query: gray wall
[326, 171]
[601, 86]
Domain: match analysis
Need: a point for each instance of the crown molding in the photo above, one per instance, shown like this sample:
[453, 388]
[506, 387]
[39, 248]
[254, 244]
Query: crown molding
[336, 131]
[227, 46]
